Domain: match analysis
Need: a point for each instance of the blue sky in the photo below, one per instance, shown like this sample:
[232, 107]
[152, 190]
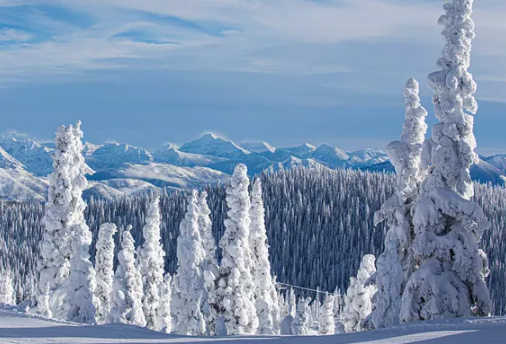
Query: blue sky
[283, 71]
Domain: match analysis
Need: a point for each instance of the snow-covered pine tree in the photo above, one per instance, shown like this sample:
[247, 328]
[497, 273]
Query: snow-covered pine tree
[189, 280]
[127, 294]
[164, 314]
[7, 296]
[358, 299]
[104, 267]
[301, 322]
[53, 264]
[395, 264]
[209, 265]
[236, 287]
[266, 302]
[150, 262]
[326, 323]
[81, 286]
[448, 225]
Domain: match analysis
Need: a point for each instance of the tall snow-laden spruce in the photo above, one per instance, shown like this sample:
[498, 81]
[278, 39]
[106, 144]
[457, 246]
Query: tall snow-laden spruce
[189, 290]
[7, 296]
[150, 261]
[395, 264]
[448, 226]
[302, 321]
[81, 286]
[358, 298]
[104, 266]
[127, 294]
[266, 300]
[209, 265]
[53, 265]
[235, 287]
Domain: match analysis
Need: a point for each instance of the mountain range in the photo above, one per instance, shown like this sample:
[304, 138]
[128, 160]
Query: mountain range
[122, 169]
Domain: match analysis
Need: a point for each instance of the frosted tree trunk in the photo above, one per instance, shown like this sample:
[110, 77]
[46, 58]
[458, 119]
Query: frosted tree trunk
[236, 288]
[104, 266]
[326, 323]
[151, 265]
[395, 264]
[358, 299]
[209, 265]
[127, 294]
[266, 302]
[189, 280]
[164, 316]
[448, 226]
[81, 287]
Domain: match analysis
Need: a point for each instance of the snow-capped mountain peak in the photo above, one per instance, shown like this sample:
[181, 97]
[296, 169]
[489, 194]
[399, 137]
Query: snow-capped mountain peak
[257, 146]
[330, 155]
[211, 144]
[117, 154]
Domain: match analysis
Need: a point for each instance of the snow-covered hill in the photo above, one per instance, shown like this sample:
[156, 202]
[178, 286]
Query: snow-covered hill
[207, 160]
[20, 328]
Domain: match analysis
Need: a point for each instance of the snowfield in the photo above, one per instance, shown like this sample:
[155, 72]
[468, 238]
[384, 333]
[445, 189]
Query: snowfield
[17, 327]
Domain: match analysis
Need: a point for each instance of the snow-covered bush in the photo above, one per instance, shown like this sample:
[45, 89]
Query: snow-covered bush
[235, 287]
[395, 264]
[448, 226]
[301, 323]
[189, 292]
[7, 296]
[326, 323]
[104, 267]
[127, 294]
[150, 262]
[266, 302]
[358, 299]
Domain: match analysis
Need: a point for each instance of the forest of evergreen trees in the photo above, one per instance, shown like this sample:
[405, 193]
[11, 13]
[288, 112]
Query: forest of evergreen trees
[319, 226]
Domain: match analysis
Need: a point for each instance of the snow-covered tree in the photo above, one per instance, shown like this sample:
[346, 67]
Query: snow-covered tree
[53, 265]
[448, 225]
[164, 314]
[189, 280]
[267, 304]
[127, 295]
[326, 323]
[104, 267]
[358, 299]
[81, 286]
[209, 265]
[150, 261]
[236, 287]
[7, 296]
[395, 264]
[302, 322]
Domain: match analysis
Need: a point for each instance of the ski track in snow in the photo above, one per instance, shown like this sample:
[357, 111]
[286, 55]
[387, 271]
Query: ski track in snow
[18, 328]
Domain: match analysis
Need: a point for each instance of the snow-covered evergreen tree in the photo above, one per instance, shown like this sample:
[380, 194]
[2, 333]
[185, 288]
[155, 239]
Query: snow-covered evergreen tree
[7, 296]
[150, 261]
[209, 265]
[189, 292]
[326, 323]
[104, 267]
[164, 314]
[236, 288]
[81, 286]
[127, 295]
[395, 264]
[266, 302]
[53, 265]
[301, 322]
[448, 225]
[358, 299]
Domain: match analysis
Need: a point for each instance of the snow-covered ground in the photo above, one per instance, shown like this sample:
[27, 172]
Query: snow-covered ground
[20, 328]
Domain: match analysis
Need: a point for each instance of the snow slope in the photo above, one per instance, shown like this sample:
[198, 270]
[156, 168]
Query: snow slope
[19, 328]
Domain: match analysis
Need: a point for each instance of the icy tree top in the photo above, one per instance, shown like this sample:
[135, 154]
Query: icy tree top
[454, 88]
[414, 129]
